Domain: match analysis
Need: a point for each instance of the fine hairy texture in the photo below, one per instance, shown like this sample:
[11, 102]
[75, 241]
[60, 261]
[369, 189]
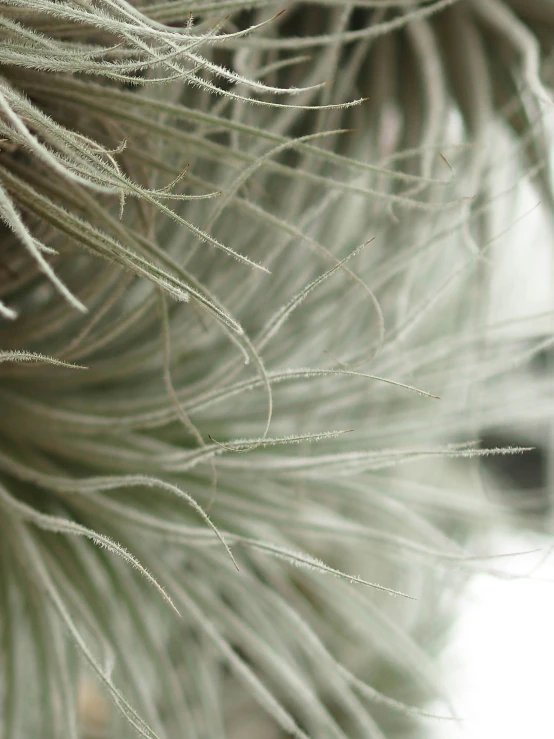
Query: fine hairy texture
[245, 354]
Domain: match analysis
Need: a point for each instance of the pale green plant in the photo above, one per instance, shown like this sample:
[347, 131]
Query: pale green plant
[225, 471]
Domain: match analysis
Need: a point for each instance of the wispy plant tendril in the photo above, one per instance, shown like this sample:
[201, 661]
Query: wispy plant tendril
[244, 361]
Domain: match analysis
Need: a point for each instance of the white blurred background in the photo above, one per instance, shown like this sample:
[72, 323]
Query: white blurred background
[500, 659]
[500, 662]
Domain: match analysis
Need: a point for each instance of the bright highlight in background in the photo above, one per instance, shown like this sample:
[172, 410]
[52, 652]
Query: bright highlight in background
[499, 665]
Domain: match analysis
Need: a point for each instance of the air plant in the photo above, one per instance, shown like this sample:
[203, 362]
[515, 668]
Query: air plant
[244, 353]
